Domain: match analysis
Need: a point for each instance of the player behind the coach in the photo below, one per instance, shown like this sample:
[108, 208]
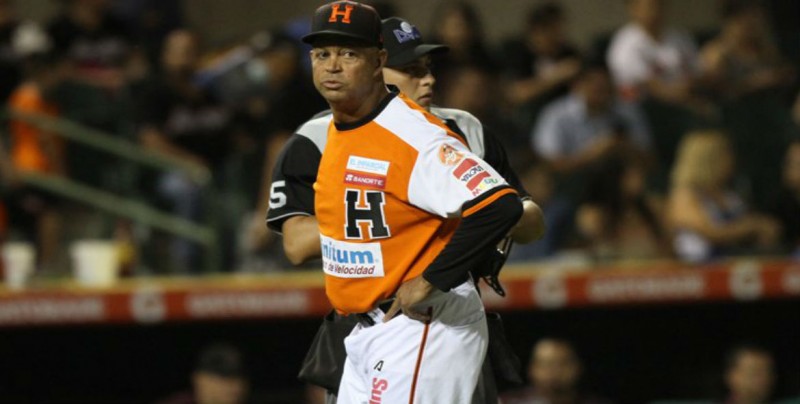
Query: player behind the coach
[408, 67]
[420, 223]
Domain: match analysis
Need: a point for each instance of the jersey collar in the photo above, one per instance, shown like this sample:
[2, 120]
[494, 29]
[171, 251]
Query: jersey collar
[367, 118]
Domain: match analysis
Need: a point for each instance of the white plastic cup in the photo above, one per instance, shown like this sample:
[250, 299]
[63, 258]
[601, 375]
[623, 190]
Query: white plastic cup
[95, 263]
[19, 259]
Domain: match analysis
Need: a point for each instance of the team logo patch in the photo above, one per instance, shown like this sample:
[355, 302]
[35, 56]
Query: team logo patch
[351, 260]
[367, 180]
[449, 156]
[366, 165]
[407, 32]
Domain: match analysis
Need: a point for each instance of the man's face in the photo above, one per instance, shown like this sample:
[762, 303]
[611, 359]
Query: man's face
[213, 389]
[555, 369]
[751, 377]
[414, 80]
[180, 52]
[597, 90]
[547, 39]
[648, 13]
[345, 74]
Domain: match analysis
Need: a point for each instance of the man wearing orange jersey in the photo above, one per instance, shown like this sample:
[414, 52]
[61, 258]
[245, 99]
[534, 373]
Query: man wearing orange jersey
[292, 213]
[405, 210]
[292, 205]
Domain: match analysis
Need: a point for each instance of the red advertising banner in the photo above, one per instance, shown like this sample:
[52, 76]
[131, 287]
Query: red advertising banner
[302, 294]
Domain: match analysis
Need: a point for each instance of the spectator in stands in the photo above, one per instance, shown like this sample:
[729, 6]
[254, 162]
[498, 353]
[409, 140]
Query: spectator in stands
[95, 40]
[219, 377]
[657, 66]
[180, 119]
[558, 214]
[584, 127]
[649, 59]
[34, 150]
[617, 217]
[743, 58]
[10, 73]
[7, 179]
[539, 66]
[100, 47]
[459, 27]
[554, 373]
[749, 375]
[150, 21]
[787, 209]
[286, 100]
[290, 99]
[706, 217]
[746, 73]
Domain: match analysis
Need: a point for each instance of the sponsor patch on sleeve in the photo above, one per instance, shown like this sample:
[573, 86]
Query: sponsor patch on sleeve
[351, 260]
[476, 178]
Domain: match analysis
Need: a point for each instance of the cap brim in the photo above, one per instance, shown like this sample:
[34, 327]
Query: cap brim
[334, 35]
[410, 55]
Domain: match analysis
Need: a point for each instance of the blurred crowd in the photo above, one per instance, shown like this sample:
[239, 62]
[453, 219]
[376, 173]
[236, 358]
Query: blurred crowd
[651, 143]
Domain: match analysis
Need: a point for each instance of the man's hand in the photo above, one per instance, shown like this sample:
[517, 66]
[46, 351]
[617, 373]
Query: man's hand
[408, 295]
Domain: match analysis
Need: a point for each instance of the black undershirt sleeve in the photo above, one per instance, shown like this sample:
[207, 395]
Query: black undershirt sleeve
[473, 237]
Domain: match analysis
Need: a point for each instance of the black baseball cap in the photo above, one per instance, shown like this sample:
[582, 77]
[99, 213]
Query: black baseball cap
[403, 42]
[346, 20]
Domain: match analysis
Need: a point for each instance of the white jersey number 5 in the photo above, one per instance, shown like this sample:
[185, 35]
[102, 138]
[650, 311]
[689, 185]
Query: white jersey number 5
[277, 199]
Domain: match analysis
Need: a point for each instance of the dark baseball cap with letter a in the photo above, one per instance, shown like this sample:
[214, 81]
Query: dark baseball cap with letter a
[404, 43]
[346, 20]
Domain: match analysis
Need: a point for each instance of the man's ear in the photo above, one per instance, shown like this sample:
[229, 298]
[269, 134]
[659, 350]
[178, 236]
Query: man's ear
[382, 55]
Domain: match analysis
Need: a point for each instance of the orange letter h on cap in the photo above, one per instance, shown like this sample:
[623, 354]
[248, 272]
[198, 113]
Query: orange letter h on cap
[346, 13]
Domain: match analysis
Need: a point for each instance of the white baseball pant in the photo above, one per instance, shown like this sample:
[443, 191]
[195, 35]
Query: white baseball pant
[407, 361]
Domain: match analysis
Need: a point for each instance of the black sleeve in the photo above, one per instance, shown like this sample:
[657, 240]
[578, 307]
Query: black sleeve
[292, 189]
[474, 235]
[495, 155]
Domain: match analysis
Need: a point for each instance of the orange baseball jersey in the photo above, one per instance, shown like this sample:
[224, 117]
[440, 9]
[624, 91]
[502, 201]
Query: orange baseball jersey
[28, 148]
[389, 194]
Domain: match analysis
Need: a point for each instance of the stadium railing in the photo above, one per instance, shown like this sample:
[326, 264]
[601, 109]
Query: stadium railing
[202, 233]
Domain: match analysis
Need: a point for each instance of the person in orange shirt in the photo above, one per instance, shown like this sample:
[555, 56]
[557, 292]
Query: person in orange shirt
[291, 210]
[35, 150]
[405, 210]
[7, 177]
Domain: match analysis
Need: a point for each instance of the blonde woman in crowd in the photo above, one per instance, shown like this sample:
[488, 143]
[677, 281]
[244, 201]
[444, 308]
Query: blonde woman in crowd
[707, 218]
